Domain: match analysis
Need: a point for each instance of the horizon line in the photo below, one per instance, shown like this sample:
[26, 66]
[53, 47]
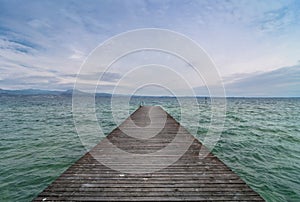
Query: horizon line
[138, 95]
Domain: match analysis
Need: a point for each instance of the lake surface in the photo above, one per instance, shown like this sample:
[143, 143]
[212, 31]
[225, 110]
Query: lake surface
[260, 140]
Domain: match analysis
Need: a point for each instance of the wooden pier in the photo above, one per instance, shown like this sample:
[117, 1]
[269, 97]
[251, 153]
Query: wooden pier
[105, 175]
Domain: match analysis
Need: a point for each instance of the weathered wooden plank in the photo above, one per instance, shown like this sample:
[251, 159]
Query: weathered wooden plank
[240, 185]
[158, 198]
[189, 178]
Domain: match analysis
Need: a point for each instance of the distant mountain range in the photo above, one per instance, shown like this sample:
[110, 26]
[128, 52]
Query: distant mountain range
[70, 93]
[46, 92]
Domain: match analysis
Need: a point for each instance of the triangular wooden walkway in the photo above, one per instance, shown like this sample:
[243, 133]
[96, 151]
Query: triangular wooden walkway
[189, 178]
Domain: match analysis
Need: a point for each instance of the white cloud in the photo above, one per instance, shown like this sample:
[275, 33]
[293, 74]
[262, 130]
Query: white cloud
[52, 39]
[280, 82]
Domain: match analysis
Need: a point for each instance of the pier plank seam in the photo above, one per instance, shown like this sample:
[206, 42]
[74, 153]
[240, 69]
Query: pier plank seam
[190, 178]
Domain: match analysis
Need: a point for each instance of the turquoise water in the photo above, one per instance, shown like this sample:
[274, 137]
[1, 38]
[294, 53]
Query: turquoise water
[260, 141]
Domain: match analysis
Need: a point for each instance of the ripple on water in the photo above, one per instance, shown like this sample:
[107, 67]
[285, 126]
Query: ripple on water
[260, 141]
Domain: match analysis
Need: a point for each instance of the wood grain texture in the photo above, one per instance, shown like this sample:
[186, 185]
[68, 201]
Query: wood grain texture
[190, 178]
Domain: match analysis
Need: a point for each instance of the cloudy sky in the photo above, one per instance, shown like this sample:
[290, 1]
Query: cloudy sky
[255, 45]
